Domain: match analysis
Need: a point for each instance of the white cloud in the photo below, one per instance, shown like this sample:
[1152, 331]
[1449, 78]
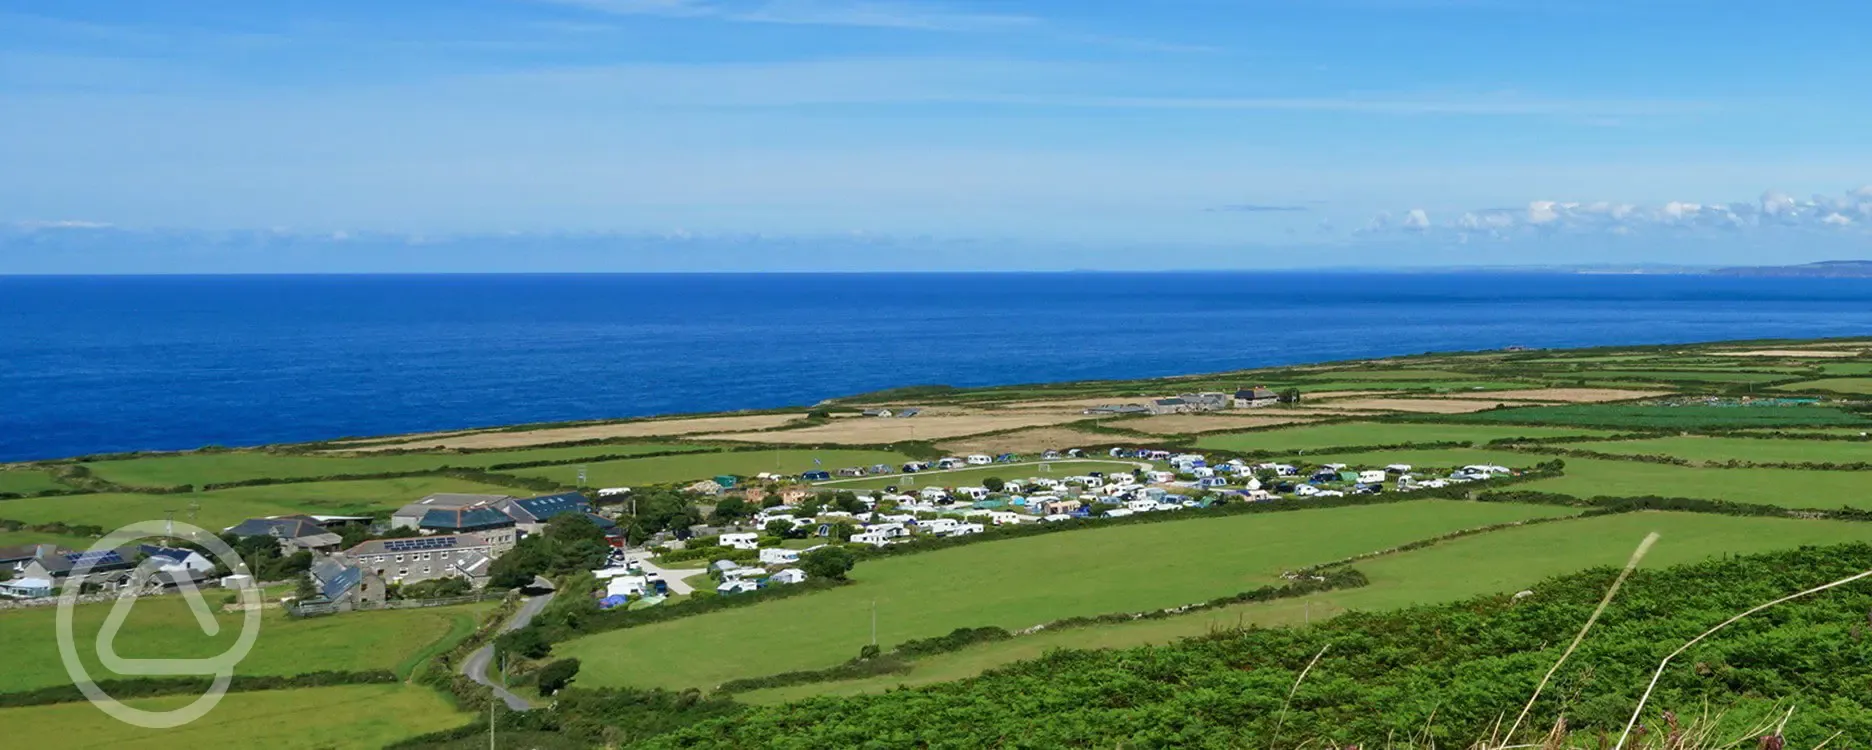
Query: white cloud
[1773, 209]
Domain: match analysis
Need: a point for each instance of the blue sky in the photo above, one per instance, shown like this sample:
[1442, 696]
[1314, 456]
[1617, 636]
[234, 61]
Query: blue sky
[1222, 132]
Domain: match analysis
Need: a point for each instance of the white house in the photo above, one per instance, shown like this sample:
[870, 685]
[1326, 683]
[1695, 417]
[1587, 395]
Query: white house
[977, 459]
[776, 556]
[747, 540]
[790, 575]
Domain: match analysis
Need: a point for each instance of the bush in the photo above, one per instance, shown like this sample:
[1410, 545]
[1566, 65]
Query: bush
[527, 642]
[828, 562]
[553, 677]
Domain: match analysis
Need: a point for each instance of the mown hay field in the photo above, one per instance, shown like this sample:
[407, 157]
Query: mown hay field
[551, 435]
[882, 431]
[664, 469]
[1347, 434]
[210, 468]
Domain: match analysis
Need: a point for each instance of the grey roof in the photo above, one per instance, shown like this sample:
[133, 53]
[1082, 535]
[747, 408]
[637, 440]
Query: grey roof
[1172, 401]
[1256, 393]
[387, 546]
[449, 500]
[335, 577]
[465, 519]
[26, 552]
[474, 564]
[168, 553]
[284, 527]
[545, 507]
[121, 558]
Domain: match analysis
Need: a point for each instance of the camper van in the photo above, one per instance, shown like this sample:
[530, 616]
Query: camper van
[978, 459]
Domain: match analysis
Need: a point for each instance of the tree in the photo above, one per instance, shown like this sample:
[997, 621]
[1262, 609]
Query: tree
[843, 531]
[730, 510]
[848, 501]
[1289, 396]
[778, 528]
[994, 484]
[828, 562]
[553, 677]
[573, 527]
[527, 642]
[307, 588]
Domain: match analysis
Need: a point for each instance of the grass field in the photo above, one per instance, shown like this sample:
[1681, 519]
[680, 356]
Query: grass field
[14, 538]
[164, 628]
[973, 477]
[1497, 562]
[223, 508]
[206, 468]
[332, 717]
[1753, 450]
[1014, 584]
[1847, 368]
[1422, 458]
[1434, 386]
[27, 481]
[662, 469]
[1788, 488]
[1668, 417]
[1445, 375]
[1684, 376]
[1316, 437]
[1862, 386]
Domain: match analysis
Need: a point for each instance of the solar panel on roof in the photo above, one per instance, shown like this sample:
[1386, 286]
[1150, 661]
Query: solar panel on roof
[106, 557]
[417, 545]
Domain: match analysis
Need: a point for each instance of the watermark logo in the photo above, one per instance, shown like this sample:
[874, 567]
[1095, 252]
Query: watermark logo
[153, 570]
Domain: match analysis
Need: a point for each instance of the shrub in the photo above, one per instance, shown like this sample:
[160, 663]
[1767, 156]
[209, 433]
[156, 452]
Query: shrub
[553, 677]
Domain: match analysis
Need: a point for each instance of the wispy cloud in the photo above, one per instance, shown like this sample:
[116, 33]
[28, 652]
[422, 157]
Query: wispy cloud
[889, 14]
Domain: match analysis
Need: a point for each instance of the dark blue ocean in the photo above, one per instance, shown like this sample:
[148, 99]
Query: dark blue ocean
[93, 364]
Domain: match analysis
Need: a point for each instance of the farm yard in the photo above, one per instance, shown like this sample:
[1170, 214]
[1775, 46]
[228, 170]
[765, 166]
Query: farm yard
[1760, 424]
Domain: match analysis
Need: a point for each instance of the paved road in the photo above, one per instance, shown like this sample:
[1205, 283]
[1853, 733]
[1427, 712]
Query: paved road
[476, 666]
[672, 577]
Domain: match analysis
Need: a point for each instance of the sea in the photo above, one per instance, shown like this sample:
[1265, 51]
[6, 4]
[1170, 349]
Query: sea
[93, 364]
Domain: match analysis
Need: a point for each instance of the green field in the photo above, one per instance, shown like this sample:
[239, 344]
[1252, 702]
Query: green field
[15, 538]
[1347, 434]
[1788, 488]
[1666, 417]
[27, 481]
[1497, 562]
[1393, 375]
[1861, 386]
[330, 717]
[1750, 450]
[1014, 584]
[1423, 458]
[1437, 386]
[975, 476]
[220, 509]
[1847, 368]
[1685, 376]
[664, 469]
[165, 628]
[210, 468]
